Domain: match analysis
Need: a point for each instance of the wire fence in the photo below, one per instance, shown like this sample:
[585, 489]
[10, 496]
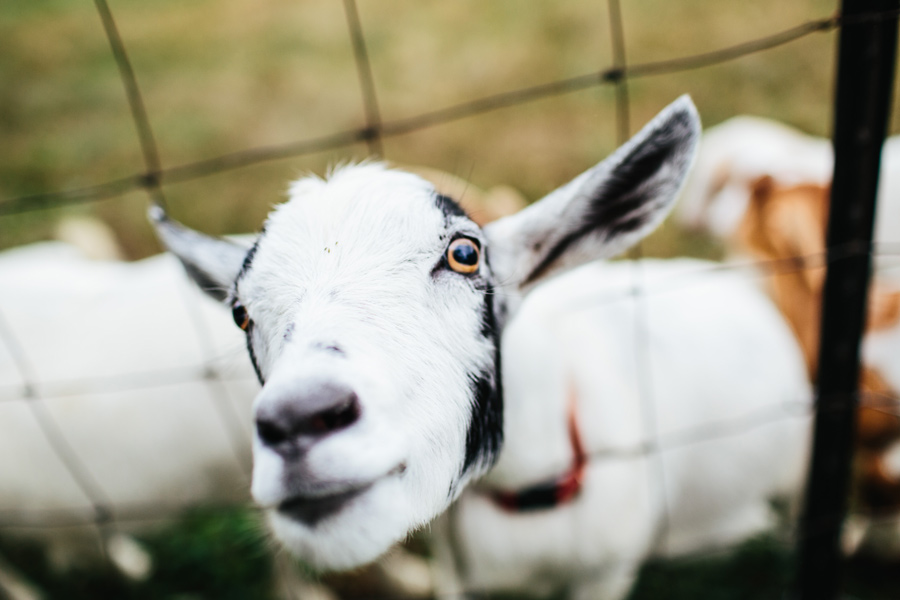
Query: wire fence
[374, 130]
[38, 394]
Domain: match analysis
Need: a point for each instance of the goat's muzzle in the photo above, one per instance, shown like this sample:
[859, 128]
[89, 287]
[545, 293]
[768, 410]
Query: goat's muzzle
[292, 421]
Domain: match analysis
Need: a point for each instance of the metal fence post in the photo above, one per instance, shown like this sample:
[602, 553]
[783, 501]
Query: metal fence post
[865, 74]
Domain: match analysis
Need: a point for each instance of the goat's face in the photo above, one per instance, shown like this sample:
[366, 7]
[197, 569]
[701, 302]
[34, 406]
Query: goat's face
[371, 325]
[373, 308]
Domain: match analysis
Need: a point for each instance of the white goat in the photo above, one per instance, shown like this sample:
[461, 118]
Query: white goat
[105, 358]
[374, 310]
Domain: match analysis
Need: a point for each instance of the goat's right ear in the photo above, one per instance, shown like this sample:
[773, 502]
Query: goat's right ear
[213, 263]
[604, 210]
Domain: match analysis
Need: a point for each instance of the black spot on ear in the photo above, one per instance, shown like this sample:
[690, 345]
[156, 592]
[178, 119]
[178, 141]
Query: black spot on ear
[485, 434]
[624, 193]
[449, 206]
[624, 203]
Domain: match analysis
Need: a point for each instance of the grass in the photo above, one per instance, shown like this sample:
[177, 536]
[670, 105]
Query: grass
[223, 554]
[760, 569]
[210, 554]
[220, 76]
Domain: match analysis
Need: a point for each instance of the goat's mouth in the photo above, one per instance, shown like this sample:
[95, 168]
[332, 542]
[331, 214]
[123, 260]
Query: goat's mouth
[310, 510]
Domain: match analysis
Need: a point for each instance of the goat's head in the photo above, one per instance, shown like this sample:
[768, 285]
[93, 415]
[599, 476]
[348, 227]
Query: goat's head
[373, 309]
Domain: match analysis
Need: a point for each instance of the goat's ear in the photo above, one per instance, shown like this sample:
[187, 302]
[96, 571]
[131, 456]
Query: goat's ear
[752, 231]
[602, 211]
[213, 263]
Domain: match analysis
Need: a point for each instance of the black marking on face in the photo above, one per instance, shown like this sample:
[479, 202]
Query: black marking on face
[252, 354]
[624, 203]
[251, 254]
[245, 267]
[333, 348]
[449, 207]
[485, 434]
[289, 332]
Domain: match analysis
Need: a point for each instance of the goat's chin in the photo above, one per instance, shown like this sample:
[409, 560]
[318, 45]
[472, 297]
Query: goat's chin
[364, 529]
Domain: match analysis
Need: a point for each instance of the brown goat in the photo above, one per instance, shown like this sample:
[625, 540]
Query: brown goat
[787, 225]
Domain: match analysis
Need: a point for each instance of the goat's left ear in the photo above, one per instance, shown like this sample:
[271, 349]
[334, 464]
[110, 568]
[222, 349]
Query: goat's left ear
[602, 211]
[213, 263]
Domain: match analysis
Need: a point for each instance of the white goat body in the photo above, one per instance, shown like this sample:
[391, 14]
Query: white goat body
[692, 402]
[109, 357]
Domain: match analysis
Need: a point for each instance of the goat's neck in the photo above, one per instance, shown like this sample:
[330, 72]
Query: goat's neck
[537, 401]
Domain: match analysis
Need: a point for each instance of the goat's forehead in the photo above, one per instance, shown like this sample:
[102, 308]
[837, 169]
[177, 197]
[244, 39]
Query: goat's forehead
[358, 218]
[370, 197]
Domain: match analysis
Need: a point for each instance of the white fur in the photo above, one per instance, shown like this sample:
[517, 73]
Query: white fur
[339, 267]
[728, 389]
[117, 362]
[881, 351]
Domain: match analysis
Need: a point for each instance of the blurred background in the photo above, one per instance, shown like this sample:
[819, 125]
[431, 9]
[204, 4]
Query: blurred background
[224, 76]
[221, 77]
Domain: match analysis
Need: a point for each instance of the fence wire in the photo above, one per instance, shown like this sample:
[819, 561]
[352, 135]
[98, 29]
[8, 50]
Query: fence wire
[154, 177]
[38, 393]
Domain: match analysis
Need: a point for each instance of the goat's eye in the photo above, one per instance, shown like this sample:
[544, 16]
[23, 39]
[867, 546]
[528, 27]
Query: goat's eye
[463, 255]
[241, 318]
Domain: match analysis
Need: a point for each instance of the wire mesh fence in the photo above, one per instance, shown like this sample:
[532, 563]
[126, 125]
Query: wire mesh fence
[375, 129]
[222, 381]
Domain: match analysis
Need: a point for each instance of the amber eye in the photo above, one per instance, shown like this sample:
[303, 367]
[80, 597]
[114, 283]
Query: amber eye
[241, 318]
[463, 255]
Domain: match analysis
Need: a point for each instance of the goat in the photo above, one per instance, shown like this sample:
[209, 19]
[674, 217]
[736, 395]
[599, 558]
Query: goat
[77, 310]
[736, 153]
[787, 223]
[377, 316]
[108, 364]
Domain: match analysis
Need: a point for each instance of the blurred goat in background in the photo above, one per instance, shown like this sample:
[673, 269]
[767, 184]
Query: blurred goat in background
[786, 224]
[734, 155]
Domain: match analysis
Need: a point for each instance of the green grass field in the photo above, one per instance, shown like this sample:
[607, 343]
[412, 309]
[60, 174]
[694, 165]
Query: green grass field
[220, 76]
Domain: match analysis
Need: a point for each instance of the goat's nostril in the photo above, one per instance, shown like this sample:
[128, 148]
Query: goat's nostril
[270, 433]
[291, 423]
[336, 417]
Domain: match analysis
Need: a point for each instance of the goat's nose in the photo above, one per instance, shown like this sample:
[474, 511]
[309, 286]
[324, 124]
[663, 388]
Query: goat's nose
[290, 423]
